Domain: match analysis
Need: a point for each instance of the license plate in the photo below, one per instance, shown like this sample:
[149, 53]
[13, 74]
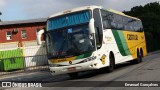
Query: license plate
[72, 69]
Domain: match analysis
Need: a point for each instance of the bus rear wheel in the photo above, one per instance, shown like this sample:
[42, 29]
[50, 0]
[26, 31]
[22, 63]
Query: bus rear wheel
[73, 75]
[139, 57]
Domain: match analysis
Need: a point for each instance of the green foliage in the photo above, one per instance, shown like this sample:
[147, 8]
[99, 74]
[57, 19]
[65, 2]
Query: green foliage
[150, 16]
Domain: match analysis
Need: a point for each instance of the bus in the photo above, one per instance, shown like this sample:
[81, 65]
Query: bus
[90, 37]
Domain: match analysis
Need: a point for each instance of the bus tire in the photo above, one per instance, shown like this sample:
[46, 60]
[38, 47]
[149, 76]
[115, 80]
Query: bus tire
[73, 75]
[111, 63]
[141, 53]
[139, 57]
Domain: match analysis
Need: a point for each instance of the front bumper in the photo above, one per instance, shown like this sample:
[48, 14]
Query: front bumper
[95, 64]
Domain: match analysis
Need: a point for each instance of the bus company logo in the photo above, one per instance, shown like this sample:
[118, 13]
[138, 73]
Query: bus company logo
[132, 37]
[6, 84]
[70, 62]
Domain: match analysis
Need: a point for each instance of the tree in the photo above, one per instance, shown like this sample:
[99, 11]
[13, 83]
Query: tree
[150, 16]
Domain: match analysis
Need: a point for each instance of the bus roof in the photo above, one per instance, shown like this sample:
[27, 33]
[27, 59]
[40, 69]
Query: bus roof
[121, 13]
[89, 8]
[75, 10]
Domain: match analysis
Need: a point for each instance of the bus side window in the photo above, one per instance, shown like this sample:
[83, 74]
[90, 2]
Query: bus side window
[98, 37]
[140, 26]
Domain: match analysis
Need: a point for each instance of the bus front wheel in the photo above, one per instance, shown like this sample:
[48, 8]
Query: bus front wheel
[111, 63]
[73, 75]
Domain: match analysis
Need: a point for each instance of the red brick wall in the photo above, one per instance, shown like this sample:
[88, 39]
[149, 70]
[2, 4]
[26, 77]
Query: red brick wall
[31, 30]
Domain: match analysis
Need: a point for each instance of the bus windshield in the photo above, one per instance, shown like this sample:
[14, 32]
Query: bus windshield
[68, 42]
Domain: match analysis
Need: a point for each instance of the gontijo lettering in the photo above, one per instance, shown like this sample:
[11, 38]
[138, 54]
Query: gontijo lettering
[132, 37]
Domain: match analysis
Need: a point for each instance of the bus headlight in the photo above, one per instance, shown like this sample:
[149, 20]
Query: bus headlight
[90, 59]
[53, 65]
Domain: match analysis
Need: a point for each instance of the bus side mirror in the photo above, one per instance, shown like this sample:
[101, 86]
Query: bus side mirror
[91, 26]
[39, 35]
[141, 29]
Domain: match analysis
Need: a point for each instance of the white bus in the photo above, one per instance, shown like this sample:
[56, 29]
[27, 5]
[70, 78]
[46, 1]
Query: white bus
[91, 37]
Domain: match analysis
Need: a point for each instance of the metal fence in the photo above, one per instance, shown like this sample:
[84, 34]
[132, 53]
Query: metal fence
[39, 60]
[21, 64]
[28, 58]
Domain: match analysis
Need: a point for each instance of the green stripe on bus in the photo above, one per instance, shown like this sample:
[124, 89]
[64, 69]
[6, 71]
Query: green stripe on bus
[84, 55]
[80, 56]
[124, 43]
[121, 42]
